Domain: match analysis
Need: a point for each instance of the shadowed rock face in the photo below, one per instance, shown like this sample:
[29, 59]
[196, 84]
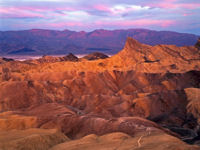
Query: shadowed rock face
[94, 56]
[197, 45]
[142, 87]
[70, 57]
[3, 60]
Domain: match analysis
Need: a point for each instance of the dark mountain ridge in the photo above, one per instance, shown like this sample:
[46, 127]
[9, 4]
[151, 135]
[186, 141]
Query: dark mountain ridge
[108, 41]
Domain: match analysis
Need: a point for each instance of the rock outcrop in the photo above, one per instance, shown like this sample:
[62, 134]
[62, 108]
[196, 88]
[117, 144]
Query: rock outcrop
[95, 56]
[52, 59]
[159, 58]
[70, 57]
[3, 60]
[48, 59]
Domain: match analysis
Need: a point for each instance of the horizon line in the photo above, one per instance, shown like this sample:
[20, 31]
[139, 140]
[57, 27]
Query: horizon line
[97, 30]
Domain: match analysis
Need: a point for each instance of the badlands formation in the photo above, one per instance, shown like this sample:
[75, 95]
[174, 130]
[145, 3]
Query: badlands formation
[145, 97]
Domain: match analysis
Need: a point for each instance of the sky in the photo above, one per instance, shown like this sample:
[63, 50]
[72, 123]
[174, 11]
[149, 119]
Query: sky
[87, 15]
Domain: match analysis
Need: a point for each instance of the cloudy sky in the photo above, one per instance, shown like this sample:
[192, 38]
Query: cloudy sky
[88, 15]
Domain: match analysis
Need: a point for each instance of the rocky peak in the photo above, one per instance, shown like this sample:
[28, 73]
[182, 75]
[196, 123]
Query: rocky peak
[133, 51]
[132, 43]
[70, 57]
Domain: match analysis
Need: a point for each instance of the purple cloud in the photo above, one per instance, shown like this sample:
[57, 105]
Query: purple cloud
[176, 15]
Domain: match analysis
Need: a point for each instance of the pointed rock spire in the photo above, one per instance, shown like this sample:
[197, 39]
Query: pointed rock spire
[132, 43]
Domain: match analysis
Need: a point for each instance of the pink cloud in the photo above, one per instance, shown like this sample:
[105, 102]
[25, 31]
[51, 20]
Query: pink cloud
[173, 4]
[188, 14]
[44, 8]
[65, 24]
[13, 12]
[59, 25]
[189, 6]
[100, 24]
[101, 7]
[139, 23]
[32, 12]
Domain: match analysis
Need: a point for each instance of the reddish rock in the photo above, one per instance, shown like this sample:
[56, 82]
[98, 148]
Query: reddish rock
[74, 122]
[84, 97]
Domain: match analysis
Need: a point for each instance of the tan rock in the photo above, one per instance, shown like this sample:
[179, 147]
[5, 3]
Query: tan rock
[143, 141]
[30, 139]
[11, 120]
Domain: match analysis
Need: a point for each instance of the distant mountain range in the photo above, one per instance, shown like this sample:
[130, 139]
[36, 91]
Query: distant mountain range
[47, 42]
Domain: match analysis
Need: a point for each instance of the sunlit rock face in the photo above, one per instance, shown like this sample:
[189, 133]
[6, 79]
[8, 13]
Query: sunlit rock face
[142, 87]
[143, 140]
[31, 139]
